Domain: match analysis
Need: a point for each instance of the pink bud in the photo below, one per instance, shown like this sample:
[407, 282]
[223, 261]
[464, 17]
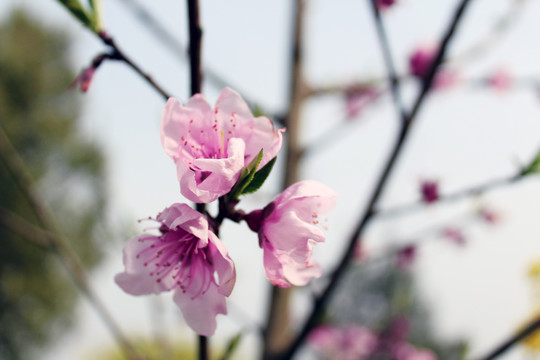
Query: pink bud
[430, 191]
[385, 4]
[406, 256]
[421, 59]
[490, 216]
[455, 235]
[84, 79]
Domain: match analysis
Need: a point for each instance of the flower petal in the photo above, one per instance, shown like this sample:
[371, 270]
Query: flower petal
[223, 265]
[177, 119]
[137, 278]
[236, 120]
[221, 174]
[183, 216]
[200, 312]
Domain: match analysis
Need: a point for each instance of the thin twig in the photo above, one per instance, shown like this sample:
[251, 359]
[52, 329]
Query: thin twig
[389, 60]
[321, 301]
[172, 43]
[448, 198]
[513, 340]
[21, 176]
[120, 55]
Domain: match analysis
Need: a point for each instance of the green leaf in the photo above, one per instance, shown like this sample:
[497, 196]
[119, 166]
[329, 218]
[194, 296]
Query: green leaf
[76, 9]
[231, 346]
[246, 176]
[95, 6]
[259, 178]
[533, 167]
[257, 111]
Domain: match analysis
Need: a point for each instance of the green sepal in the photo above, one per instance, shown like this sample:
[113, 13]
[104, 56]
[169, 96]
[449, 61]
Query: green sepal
[259, 178]
[76, 9]
[533, 167]
[231, 346]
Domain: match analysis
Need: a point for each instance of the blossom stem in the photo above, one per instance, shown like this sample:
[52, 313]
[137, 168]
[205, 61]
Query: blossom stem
[203, 348]
[321, 301]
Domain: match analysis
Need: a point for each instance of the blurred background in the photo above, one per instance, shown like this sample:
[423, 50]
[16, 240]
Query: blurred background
[462, 273]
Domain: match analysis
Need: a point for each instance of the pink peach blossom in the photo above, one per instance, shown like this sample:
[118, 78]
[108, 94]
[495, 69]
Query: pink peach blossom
[351, 342]
[185, 258]
[210, 147]
[288, 229]
[406, 256]
[405, 351]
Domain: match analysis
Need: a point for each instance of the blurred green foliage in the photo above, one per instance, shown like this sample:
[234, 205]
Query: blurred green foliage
[39, 115]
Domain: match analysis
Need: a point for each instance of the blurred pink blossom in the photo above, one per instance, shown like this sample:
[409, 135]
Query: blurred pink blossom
[385, 4]
[455, 235]
[405, 351]
[352, 342]
[187, 258]
[490, 216]
[500, 80]
[288, 229]
[210, 147]
[406, 256]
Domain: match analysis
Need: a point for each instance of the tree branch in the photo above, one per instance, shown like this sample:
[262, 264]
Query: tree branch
[513, 340]
[321, 301]
[120, 55]
[448, 198]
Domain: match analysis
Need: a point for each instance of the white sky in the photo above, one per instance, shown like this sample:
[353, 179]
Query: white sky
[463, 137]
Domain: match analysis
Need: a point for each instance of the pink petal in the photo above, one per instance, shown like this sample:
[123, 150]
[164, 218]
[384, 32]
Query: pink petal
[258, 133]
[200, 312]
[223, 265]
[136, 279]
[273, 266]
[176, 120]
[223, 174]
[183, 216]
[306, 188]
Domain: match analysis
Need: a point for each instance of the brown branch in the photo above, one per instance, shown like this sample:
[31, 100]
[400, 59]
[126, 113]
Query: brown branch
[322, 300]
[57, 243]
[195, 39]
